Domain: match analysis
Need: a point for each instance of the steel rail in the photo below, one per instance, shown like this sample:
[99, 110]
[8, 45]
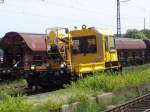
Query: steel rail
[140, 104]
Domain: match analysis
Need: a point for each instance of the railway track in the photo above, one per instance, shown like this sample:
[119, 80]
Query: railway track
[140, 104]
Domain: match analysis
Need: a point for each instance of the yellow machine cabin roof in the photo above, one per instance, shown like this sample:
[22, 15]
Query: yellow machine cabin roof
[105, 31]
[90, 31]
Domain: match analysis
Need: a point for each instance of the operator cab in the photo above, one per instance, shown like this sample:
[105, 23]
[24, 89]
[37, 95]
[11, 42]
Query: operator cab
[87, 50]
[93, 50]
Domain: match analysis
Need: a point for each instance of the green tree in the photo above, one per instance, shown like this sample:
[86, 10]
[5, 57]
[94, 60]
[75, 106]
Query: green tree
[136, 34]
[146, 32]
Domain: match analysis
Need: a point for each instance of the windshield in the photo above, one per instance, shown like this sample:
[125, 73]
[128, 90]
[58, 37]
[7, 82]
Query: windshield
[82, 45]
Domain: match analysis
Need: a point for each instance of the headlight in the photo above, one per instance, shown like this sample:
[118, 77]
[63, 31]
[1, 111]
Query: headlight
[62, 65]
[1, 59]
[8, 71]
[32, 67]
[4, 71]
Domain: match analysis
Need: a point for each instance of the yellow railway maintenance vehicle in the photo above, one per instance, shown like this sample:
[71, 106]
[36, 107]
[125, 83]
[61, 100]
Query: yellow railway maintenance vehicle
[74, 54]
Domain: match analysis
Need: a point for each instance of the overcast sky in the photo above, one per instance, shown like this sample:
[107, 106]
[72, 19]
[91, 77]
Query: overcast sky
[36, 15]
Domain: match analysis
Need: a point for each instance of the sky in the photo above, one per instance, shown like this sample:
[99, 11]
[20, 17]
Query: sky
[37, 15]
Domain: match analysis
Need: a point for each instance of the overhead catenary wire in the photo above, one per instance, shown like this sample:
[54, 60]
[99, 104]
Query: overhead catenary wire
[95, 13]
[98, 10]
[143, 9]
[80, 9]
[123, 17]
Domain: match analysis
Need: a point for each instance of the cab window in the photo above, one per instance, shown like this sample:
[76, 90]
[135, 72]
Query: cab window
[83, 45]
[106, 43]
[109, 43]
[112, 43]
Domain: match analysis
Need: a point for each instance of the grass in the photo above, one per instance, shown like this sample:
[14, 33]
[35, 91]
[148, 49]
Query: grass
[79, 91]
[86, 106]
[18, 103]
[109, 83]
[13, 104]
[105, 82]
[13, 87]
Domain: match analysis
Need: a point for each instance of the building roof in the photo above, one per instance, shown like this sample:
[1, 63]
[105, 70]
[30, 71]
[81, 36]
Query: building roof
[127, 43]
[36, 42]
